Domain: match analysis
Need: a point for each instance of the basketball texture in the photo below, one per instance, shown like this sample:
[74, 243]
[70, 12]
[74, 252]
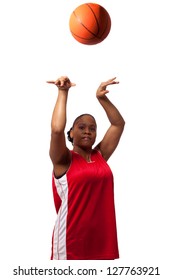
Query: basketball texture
[90, 23]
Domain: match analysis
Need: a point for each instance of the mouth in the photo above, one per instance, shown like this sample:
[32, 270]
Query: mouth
[86, 138]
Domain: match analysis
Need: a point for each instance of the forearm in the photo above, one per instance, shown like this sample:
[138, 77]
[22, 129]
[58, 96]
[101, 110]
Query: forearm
[112, 112]
[58, 122]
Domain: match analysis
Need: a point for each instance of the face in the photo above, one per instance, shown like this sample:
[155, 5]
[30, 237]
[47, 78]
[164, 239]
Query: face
[84, 132]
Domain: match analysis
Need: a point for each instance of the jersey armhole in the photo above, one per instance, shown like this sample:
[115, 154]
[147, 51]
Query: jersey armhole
[59, 177]
[64, 173]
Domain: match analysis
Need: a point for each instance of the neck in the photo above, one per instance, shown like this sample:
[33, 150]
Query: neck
[86, 154]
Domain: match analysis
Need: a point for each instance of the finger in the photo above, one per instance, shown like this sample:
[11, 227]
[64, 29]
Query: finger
[112, 82]
[50, 82]
[112, 79]
[65, 78]
[73, 84]
[106, 91]
[103, 92]
[61, 83]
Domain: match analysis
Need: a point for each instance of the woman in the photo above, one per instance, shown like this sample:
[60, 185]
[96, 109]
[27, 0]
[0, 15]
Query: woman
[82, 181]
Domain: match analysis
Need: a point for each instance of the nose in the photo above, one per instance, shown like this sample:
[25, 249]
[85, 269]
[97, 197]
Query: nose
[87, 130]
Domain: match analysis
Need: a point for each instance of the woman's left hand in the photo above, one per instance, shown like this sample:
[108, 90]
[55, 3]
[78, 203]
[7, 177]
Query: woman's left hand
[101, 91]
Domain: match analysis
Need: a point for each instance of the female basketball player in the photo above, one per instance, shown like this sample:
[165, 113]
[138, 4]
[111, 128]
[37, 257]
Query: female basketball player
[82, 181]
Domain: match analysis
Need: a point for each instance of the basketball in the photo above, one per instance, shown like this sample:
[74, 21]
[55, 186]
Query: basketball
[90, 23]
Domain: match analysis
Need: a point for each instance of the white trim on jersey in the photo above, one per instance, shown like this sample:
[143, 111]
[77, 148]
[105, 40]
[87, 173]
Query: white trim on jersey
[59, 236]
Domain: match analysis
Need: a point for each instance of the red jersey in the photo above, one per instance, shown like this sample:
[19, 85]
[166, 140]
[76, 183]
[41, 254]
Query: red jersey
[85, 228]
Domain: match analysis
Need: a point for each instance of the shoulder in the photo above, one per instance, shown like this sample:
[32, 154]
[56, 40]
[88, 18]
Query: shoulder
[96, 154]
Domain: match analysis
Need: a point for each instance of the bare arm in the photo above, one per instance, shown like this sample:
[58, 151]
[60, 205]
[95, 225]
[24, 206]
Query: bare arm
[59, 153]
[113, 134]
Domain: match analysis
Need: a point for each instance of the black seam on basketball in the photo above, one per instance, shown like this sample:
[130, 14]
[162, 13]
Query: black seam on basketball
[105, 27]
[98, 27]
[78, 19]
[83, 38]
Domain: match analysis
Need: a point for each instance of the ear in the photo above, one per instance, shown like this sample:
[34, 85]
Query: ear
[71, 133]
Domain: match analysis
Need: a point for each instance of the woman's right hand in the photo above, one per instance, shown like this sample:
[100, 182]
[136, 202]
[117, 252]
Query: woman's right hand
[63, 83]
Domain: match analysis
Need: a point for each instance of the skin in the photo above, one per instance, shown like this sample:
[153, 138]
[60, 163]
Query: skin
[84, 130]
[84, 135]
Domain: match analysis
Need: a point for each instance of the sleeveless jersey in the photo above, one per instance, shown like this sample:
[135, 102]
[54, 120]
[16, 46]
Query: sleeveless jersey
[85, 228]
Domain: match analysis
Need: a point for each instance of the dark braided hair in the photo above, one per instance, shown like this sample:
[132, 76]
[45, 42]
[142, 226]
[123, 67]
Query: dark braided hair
[68, 132]
[68, 135]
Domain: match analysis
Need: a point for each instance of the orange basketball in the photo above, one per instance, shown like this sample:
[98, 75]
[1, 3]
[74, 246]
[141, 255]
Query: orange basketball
[90, 23]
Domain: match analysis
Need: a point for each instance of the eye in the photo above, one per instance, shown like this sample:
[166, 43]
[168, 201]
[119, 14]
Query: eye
[93, 129]
[82, 127]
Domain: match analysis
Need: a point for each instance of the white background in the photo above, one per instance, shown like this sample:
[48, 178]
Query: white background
[36, 45]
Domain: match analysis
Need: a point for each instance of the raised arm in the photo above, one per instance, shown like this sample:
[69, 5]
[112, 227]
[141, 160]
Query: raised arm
[59, 153]
[113, 134]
